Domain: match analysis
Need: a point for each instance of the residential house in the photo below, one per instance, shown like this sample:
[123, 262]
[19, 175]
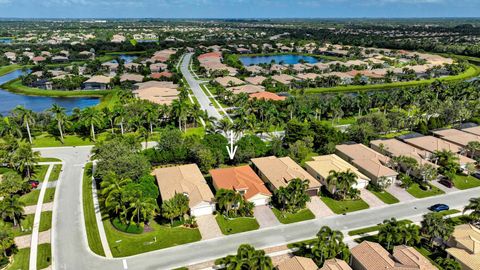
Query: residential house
[458, 137]
[464, 246]
[257, 80]
[247, 88]
[283, 79]
[59, 59]
[369, 162]
[229, 81]
[111, 66]
[372, 256]
[157, 67]
[278, 172]
[297, 263]
[187, 180]
[163, 74]
[243, 180]
[158, 95]
[321, 166]
[267, 96]
[130, 77]
[432, 144]
[97, 83]
[335, 264]
[473, 130]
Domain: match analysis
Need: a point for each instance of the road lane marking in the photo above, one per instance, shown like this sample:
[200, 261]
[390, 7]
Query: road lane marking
[125, 266]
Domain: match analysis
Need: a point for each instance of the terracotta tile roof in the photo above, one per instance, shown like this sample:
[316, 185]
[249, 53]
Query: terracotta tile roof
[397, 148]
[131, 77]
[267, 96]
[239, 178]
[280, 171]
[164, 84]
[225, 81]
[297, 263]
[158, 75]
[409, 257]
[99, 79]
[335, 264]
[457, 137]
[324, 164]
[255, 80]
[473, 130]
[247, 88]
[184, 179]
[432, 144]
[283, 78]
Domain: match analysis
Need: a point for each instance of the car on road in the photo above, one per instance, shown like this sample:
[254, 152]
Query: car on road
[439, 207]
[33, 183]
[446, 182]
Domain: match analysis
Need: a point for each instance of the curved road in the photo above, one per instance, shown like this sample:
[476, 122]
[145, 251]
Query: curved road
[70, 248]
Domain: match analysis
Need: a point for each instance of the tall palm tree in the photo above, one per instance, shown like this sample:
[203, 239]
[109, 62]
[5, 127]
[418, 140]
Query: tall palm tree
[143, 209]
[120, 114]
[110, 115]
[8, 127]
[247, 258]
[27, 119]
[151, 114]
[390, 233]
[6, 240]
[12, 208]
[91, 118]
[170, 210]
[474, 206]
[25, 159]
[60, 117]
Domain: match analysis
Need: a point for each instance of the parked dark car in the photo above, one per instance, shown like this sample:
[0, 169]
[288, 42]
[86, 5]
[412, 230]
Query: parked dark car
[33, 183]
[439, 207]
[446, 182]
[476, 175]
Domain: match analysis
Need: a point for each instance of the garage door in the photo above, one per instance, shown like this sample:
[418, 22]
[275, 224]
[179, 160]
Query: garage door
[361, 184]
[260, 201]
[201, 211]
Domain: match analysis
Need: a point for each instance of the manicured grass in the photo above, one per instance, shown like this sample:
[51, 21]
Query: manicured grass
[45, 221]
[27, 225]
[21, 260]
[159, 236]
[7, 69]
[44, 256]
[385, 196]
[48, 140]
[374, 228]
[47, 159]
[30, 198]
[57, 168]
[471, 72]
[417, 192]
[199, 131]
[49, 195]
[236, 225]
[450, 212]
[287, 218]
[465, 182]
[394, 134]
[341, 207]
[301, 243]
[40, 172]
[93, 236]
[16, 86]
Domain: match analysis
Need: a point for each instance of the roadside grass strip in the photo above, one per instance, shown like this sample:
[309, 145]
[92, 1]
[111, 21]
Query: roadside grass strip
[465, 182]
[44, 256]
[419, 193]
[346, 206]
[385, 197]
[287, 218]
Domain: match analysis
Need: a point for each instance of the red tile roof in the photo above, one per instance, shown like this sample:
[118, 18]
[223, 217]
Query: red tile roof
[267, 96]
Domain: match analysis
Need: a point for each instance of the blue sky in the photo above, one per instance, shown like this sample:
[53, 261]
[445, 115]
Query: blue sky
[237, 8]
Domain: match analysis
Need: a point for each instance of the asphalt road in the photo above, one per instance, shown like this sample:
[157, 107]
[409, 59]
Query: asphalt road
[197, 90]
[70, 248]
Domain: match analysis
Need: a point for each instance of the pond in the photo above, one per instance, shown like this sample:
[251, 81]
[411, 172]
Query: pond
[6, 40]
[128, 58]
[9, 100]
[289, 59]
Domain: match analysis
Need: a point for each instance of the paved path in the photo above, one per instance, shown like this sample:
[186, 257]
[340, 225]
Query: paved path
[32, 208]
[265, 217]
[98, 217]
[370, 198]
[36, 221]
[400, 193]
[319, 208]
[202, 98]
[208, 227]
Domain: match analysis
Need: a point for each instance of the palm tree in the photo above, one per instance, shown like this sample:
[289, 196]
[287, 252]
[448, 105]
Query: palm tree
[446, 159]
[411, 234]
[112, 189]
[170, 210]
[389, 233]
[247, 258]
[328, 244]
[434, 226]
[110, 115]
[473, 148]
[27, 119]
[91, 118]
[12, 208]
[24, 159]
[474, 206]
[8, 127]
[6, 240]
[120, 113]
[226, 199]
[151, 114]
[60, 116]
[340, 183]
[143, 209]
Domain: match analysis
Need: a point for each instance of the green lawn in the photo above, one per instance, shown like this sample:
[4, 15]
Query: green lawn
[158, 237]
[93, 237]
[236, 225]
[44, 256]
[55, 172]
[341, 207]
[49, 195]
[7, 69]
[47, 159]
[287, 218]
[471, 72]
[30, 198]
[21, 260]
[47, 140]
[417, 192]
[385, 196]
[45, 221]
[199, 131]
[40, 172]
[374, 228]
[465, 182]
[27, 225]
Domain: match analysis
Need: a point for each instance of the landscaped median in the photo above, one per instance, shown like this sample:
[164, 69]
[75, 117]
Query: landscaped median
[416, 191]
[471, 72]
[384, 196]
[287, 218]
[16, 86]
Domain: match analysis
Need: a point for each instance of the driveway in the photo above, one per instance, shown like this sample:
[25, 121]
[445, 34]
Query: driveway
[370, 198]
[265, 216]
[400, 193]
[208, 227]
[318, 208]
[442, 187]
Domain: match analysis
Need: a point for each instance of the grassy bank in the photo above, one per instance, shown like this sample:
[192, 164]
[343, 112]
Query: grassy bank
[472, 71]
[16, 86]
[93, 236]
[10, 68]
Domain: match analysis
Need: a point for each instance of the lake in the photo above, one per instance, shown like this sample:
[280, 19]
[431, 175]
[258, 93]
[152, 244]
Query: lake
[128, 58]
[9, 100]
[289, 59]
